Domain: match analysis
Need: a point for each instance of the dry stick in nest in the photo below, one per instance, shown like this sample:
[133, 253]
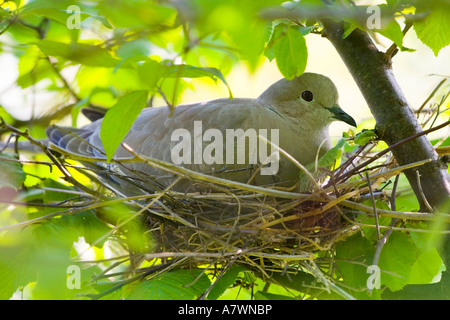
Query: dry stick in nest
[244, 187]
[192, 175]
[269, 192]
[185, 173]
[377, 225]
[134, 216]
[395, 145]
[160, 268]
[251, 252]
[343, 200]
[72, 210]
[382, 241]
[206, 178]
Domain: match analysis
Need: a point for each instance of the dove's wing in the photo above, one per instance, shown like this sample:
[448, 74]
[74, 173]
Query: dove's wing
[152, 135]
[298, 112]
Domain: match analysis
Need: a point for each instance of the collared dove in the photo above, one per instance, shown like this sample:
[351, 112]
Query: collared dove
[298, 111]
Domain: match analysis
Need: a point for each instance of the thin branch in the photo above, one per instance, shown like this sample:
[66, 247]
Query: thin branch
[381, 242]
[42, 205]
[431, 95]
[417, 216]
[193, 175]
[374, 206]
[393, 146]
[393, 49]
[422, 195]
[49, 154]
[63, 80]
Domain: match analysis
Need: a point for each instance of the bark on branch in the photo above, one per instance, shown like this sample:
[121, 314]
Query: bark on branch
[395, 118]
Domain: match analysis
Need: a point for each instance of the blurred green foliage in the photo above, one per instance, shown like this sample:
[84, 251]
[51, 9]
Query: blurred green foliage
[122, 53]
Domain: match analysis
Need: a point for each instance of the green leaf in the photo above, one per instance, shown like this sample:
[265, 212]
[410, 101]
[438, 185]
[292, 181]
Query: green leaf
[393, 32]
[393, 3]
[119, 119]
[11, 173]
[137, 13]
[208, 56]
[5, 115]
[39, 253]
[260, 295]
[15, 265]
[434, 30]
[352, 258]
[174, 285]
[186, 71]
[134, 48]
[87, 54]
[224, 282]
[229, 19]
[61, 16]
[32, 68]
[426, 267]
[365, 137]
[58, 11]
[150, 72]
[390, 27]
[348, 29]
[303, 30]
[277, 31]
[90, 227]
[329, 158]
[396, 259]
[291, 53]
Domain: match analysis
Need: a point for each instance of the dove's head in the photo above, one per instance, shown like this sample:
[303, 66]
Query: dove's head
[308, 100]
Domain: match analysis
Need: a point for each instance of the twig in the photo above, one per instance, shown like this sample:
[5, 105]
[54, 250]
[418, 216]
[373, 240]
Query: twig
[118, 226]
[422, 195]
[295, 162]
[394, 214]
[193, 175]
[393, 49]
[166, 267]
[393, 146]
[48, 153]
[386, 175]
[163, 95]
[374, 206]
[394, 191]
[64, 81]
[438, 112]
[228, 266]
[381, 242]
[41, 205]
[431, 95]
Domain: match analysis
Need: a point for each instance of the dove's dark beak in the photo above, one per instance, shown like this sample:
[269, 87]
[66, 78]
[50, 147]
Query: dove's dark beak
[341, 115]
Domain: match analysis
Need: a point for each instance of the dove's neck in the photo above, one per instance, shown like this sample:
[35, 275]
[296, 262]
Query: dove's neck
[315, 141]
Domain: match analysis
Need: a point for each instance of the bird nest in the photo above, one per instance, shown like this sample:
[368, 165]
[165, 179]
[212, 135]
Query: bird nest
[255, 229]
[266, 228]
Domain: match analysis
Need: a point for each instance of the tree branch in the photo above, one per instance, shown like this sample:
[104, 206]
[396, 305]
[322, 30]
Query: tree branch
[395, 119]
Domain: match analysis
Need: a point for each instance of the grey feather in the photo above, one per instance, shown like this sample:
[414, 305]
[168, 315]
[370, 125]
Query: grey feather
[302, 127]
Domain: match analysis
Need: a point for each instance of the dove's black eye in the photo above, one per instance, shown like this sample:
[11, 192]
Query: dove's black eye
[307, 96]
